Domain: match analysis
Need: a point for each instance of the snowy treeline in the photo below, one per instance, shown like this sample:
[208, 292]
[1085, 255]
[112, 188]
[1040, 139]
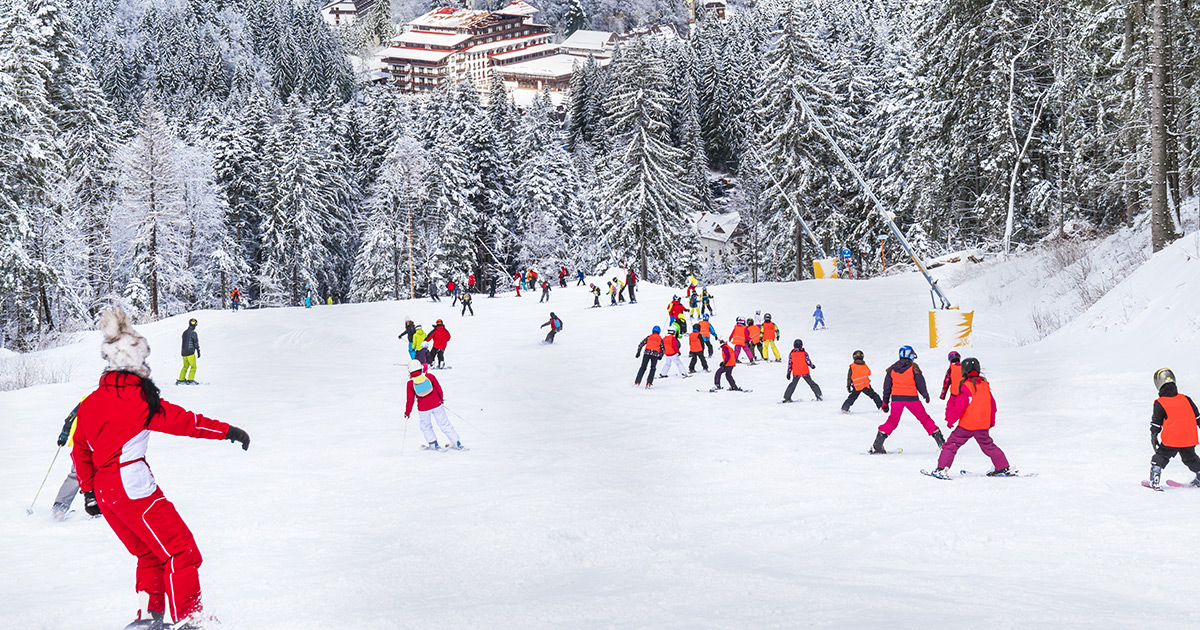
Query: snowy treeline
[158, 153]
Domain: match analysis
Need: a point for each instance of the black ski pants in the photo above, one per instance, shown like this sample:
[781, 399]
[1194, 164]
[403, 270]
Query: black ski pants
[708, 344]
[727, 370]
[703, 362]
[596, 302]
[631, 298]
[866, 391]
[791, 388]
[545, 296]
[652, 362]
[550, 335]
[438, 354]
[433, 294]
[467, 307]
[1187, 455]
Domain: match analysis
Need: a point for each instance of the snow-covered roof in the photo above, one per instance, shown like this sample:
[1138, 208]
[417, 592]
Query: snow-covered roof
[506, 43]
[590, 40]
[422, 38]
[341, 6]
[518, 7]
[713, 4]
[536, 49]
[716, 227]
[449, 17]
[551, 67]
[417, 54]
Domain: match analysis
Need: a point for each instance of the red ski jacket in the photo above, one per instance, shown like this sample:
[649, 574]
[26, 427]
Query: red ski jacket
[111, 435]
[440, 337]
[429, 402]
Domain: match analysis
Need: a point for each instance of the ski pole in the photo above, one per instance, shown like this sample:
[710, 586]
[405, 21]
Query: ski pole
[404, 436]
[464, 420]
[29, 510]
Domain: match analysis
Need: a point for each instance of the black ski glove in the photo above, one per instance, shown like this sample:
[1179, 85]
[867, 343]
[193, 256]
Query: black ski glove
[1154, 443]
[237, 435]
[62, 438]
[197, 353]
[89, 503]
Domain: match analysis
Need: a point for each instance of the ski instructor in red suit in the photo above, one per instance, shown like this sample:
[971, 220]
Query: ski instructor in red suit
[111, 436]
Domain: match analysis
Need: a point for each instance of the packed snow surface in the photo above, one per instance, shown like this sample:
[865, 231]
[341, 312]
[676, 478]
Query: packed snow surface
[585, 502]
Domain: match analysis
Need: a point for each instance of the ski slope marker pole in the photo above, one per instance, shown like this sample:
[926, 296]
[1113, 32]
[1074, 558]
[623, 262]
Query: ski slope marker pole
[29, 510]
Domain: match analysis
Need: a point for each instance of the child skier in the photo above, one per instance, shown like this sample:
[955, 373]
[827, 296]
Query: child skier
[111, 436]
[858, 381]
[770, 332]
[440, 338]
[70, 485]
[653, 344]
[739, 338]
[671, 352]
[415, 341]
[427, 392]
[620, 289]
[517, 282]
[818, 318]
[728, 362]
[191, 352]
[693, 305]
[1172, 429]
[545, 292]
[975, 411]
[706, 299]
[452, 290]
[555, 325]
[706, 333]
[423, 353]
[905, 386]
[612, 294]
[799, 366]
[466, 305]
[754, 336]
[410, 331]
[675, 310]
[696, 349]
[595, 296]
[951, 382]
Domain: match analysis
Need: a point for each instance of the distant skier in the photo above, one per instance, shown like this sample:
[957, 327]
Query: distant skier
[799, 367]
[1173, 428]
[517, 282]
[308, 296]
[423, 353]
[190, 352]
[706, 299]
[545, 292]
[235, 299]
[471, 283]
[696, 349]
[579, 277]
[562, 277]
[452, 290]
[858, 381]
[770, 332]
[671, 351]
[410, 332]
[111, 437]
[595, 296]
[620, 289]
[653, 345]
[418, 337]
[555, 325]
[433, 292]
[739, 337]
[466, 305]
[631, 280]
[975, 411]
[492, 286]
[754, 337]
[675, 311]
[70, 485]
[728, 362]
[818, 318]
[440, 338]
[952, 381]
[706, 333]
[612, 294]
[904, 386]
[693, 305]
[424, 389]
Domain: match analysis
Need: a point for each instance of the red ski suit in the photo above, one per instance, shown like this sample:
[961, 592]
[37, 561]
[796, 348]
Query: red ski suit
[111, 435]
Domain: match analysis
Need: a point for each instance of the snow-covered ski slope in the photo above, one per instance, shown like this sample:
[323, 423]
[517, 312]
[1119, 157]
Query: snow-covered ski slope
[588, 503]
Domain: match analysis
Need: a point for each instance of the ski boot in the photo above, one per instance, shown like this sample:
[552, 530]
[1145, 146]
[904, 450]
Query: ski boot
[1195, 482]
[735, 388]
[941, 473]
[457, 446]
[846, 411]
[877, 447]
[432, 446]
[1155, 477]
[154, 622]
[937, 437]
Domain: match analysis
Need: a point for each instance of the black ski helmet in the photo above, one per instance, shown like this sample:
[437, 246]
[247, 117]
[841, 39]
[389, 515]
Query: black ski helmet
[797, 344]
[552, 316]
[858, 354]
[695, 327]
[767, 317]
[192, 322]
[970, 366]
[1162, 377]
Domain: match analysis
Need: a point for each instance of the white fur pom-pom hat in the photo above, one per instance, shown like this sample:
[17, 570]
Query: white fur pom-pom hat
[123, 348]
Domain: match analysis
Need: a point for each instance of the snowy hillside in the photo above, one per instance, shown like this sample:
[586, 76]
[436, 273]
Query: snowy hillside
[587, 503]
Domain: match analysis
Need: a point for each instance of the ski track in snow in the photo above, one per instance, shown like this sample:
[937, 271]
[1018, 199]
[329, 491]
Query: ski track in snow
[588, 503]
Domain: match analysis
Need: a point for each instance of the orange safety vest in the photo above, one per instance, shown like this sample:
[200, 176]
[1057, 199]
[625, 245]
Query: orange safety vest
[732, 360]
[705, 329]
[654, 343]
[799, 361]
[755, 333]
[694, 342]
[978, 416]
[672, 345]
[860, 376]
[1179, 429]
[955, 378]
[769, 330]
[738, 336]
[905, 383]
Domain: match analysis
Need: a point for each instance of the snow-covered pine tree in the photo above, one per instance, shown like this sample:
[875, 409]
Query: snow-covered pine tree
[452, 182]
[386, 265]
[214, 257]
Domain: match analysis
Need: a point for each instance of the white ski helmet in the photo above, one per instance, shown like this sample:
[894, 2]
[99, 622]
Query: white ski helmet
[414, 366]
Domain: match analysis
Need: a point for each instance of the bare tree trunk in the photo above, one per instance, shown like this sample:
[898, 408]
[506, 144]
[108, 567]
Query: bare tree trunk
[154, 272]
[1133, 23]
[1162, 228]
[799, 251]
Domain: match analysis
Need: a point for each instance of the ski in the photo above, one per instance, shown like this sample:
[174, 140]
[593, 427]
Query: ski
[1015, 473]
[895, 452]
[428, 447]
[724, 389]
[1176, 484]
[935, 476]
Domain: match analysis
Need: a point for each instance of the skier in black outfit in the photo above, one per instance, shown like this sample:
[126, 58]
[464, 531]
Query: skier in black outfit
[492, 286]
[596, 295]
[190, 351]
[466, 302]
[630, 281]
[433, 292]
[555, 325]
[653, 344]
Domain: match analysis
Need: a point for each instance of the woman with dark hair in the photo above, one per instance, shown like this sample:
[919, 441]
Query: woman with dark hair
[111, 435]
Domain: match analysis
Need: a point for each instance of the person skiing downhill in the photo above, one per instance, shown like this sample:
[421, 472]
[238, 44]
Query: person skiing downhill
[952, 381]
[770, 332]
[112, 433]
[426, 391]
[693, 305]
[739, 337]
[452, 290]
[818, 318]
[466, 305]
[706, 299]
[555, 325]
[653, 345]
[545, 292]
[696, 349]
[706, 333]
[1173, 429]
[754, 338]
[671, 350]
[612, 294]
[433, 292]
[620, 289]
[562, 277]
[579, 277]
[858, 381]
[974, 409]
[190, 352]
[799, 365]
[410, 331]
[440, 338]
[904, 385]
[595, 296]
[70, 485]
[423, 354]
[728, 362]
